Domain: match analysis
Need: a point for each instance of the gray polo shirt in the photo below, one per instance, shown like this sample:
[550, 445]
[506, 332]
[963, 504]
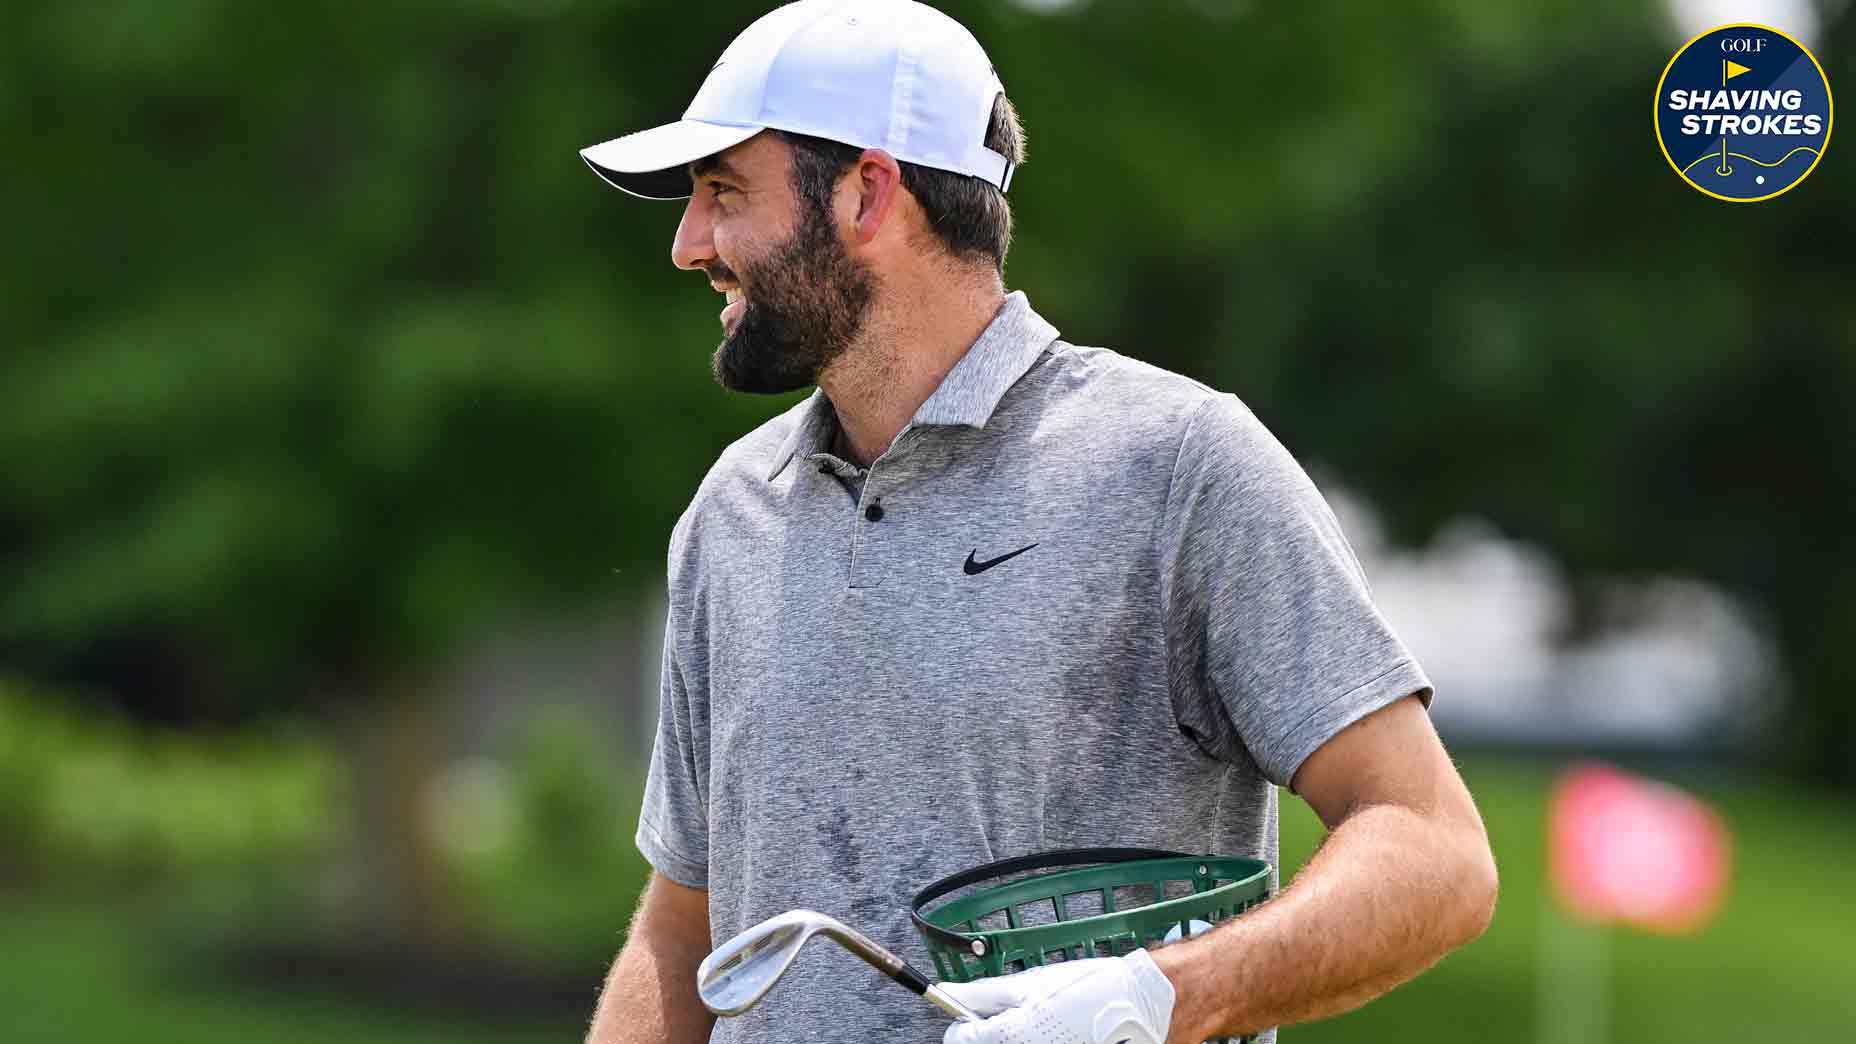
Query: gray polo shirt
[1080, 600]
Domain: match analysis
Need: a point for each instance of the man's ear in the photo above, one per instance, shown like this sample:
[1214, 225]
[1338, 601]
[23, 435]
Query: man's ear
[877, 177]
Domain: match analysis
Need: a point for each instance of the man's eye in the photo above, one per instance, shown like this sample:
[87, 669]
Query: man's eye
[716, 188]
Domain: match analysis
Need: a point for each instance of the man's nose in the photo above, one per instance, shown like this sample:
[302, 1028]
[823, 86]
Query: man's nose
[694, 247]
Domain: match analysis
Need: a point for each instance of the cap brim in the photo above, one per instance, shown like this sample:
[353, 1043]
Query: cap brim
[654, 163]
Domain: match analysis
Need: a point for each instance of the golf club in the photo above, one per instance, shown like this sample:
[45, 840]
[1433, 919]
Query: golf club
[740, 972]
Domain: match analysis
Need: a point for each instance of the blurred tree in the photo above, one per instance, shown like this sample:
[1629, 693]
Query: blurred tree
[329, 355]
[326, 355]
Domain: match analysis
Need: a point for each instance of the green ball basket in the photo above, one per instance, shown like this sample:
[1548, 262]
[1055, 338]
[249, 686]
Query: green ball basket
[1085, 902]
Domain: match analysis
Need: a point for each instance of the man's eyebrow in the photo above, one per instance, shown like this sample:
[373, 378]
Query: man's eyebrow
[708, 165]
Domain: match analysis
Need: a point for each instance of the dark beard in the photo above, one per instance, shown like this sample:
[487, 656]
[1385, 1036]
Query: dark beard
[806, 304]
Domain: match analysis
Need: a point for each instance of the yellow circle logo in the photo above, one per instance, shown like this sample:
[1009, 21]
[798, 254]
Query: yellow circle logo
[1743, 113]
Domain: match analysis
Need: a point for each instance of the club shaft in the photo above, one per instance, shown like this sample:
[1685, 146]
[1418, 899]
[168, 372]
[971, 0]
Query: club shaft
[947, 1003]
[867, 948]
[900, 970]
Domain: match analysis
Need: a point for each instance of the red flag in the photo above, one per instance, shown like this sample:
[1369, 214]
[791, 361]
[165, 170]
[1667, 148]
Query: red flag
[1630, 850]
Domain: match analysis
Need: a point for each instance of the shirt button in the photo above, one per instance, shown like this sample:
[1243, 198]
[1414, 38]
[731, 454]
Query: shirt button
[874, 512]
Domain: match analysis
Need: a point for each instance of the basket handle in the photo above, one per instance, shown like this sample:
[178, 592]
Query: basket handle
[1039, 861]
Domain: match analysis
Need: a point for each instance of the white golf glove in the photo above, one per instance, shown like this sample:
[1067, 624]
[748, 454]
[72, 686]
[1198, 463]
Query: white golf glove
[1102, 1000]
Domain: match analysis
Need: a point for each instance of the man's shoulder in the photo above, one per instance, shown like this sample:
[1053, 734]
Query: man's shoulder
[1115, 396]
[739, 474]
[1109, 370]
[750, 457]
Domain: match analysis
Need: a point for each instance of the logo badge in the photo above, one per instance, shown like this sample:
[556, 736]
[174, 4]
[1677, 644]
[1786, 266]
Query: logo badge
[973, 568]
[1743, 113]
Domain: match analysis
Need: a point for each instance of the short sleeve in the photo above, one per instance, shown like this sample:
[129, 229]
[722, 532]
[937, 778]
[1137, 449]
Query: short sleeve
[673, 830]
[1274, 644]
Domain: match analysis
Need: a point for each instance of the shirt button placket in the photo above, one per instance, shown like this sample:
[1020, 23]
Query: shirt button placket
[869, 531]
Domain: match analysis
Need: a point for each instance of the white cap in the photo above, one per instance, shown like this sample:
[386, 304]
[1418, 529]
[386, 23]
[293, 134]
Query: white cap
[877, 74]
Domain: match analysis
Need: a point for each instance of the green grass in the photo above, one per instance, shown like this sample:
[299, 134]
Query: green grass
[80, 973]
[1779, 964]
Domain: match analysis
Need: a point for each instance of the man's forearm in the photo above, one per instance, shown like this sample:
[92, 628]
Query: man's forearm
[650, 996]
[1387, 895]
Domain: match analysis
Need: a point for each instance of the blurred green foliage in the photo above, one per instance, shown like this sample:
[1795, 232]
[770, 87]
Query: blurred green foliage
[79, 971]
[231, 838]
[326, 356]
[92, 798]
[546, 861]
[241, 828]
[323, 356]
[1774, 965]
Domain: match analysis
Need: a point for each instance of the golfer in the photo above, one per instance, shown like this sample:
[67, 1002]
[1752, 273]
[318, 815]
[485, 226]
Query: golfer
[989, 593]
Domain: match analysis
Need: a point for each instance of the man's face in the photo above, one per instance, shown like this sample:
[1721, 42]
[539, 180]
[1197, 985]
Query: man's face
[796, 298]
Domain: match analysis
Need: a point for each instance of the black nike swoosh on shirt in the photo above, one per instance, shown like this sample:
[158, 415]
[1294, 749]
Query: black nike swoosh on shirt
[973, 568]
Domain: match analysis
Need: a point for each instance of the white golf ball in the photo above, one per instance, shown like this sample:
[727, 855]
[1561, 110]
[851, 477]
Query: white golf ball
[1172, 934]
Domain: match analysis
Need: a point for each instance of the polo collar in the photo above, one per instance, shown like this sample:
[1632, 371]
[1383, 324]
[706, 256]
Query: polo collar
[968, 395]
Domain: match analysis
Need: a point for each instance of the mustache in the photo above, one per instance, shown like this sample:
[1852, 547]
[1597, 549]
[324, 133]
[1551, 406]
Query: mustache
[721, 273]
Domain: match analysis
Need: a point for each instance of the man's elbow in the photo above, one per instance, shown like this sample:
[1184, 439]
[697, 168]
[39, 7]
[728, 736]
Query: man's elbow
[1478, 886]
